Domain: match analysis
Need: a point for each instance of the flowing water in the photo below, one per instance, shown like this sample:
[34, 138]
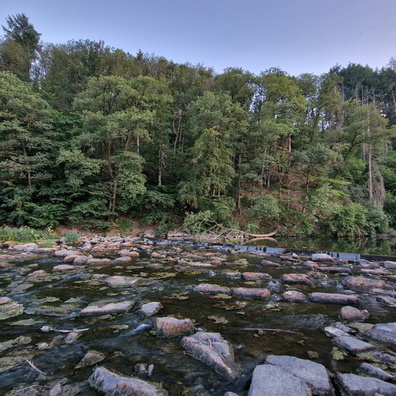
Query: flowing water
[128, 339]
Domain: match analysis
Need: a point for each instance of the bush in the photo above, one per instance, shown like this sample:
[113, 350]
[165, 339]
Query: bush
[71, 237]
[348, 221]
[265, 207]
[377, 220]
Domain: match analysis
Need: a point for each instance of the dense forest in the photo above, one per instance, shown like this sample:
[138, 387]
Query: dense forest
[94, 136]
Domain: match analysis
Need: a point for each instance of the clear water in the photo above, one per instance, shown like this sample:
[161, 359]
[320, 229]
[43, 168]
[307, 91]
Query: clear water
[179, 373]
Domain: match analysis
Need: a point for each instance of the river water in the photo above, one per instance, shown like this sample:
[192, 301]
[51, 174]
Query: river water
[55, 299]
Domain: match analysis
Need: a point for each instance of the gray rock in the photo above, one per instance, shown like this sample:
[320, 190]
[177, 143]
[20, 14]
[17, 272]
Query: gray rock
[352, 345]
[335, 332]
[383, 332]
[376, 372]
[312, 373]
[107, 307]
[91, 358]
[215, 351]
[322, 258]
[170, 327]
[333, 298]
[390, 264]
[352, 314]
[150, 308]
[294, 296]
[252, 292]
[356, 385]
[271, 380]
[112, 384]
[208, 288]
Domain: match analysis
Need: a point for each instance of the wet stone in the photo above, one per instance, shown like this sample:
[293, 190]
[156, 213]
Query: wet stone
[208, 288]
[254, 293]
[352, 314]
[63, 267]
[271, 380]
[373, 371]
[170, 327]
[352, 345]
[364, 284]
[10, 309]
[312, 373]
[255, 276]
[294, 296]
[107, 307]
[390, 264]
[322, 258]
[356, 385]
[295, 279]
[112, 384]
[150, 308]
[90, 359]
[383, 332]
[213, 350]
[333, 298]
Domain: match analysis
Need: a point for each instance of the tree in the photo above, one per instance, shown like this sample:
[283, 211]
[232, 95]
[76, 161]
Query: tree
[20, 46]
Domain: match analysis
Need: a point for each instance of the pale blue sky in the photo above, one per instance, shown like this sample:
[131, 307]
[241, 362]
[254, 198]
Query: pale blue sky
[296, 35]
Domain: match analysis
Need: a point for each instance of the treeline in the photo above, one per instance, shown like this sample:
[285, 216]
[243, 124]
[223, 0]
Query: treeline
[93, 135]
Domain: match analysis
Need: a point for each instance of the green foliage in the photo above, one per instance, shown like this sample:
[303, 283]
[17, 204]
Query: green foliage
[377, 220]
[25, 234]
[71, 237]
[348, 221]
[265, 207]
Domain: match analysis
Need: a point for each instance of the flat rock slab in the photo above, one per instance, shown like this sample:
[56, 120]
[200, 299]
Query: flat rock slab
[360, 283]
[333, 298]
[352, 345]
[335, 270]
[312, 373]
[356, 385]
[322, 258]
[383, 332]
[254, 276]
[213, 350]
[390, 264]
[251, 292]
[128, 281]
[208, 288]
[107, 307]
[295, 279]
[170, 327]
[112, 384]
[271, 380]
[66, 252]
[63, 268]
[374, 371]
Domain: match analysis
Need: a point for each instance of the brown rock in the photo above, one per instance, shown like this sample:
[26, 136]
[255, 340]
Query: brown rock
[170, 327]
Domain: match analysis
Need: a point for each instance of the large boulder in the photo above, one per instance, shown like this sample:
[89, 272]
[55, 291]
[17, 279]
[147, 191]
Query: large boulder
[215, 351]
[312, 373]
[112, 384]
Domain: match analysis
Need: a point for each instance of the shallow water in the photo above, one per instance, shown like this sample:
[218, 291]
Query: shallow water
[297, 329]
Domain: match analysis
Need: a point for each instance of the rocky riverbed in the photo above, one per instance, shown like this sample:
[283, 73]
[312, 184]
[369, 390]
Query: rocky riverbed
[127, 316]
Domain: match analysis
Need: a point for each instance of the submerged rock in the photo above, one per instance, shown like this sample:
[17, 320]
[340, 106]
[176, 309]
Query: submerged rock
[213, 350]
[9, 308]
[112, 384]
[107, 307]
[90, 359]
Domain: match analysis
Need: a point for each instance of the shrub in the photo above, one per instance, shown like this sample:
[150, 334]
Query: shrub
[71, 237]
[348, 221]
[265, 207]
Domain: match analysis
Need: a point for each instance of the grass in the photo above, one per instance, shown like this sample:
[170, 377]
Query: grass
[25, 234]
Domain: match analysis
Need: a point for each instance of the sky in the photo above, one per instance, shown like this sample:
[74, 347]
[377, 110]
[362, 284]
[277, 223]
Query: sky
[297, 36]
